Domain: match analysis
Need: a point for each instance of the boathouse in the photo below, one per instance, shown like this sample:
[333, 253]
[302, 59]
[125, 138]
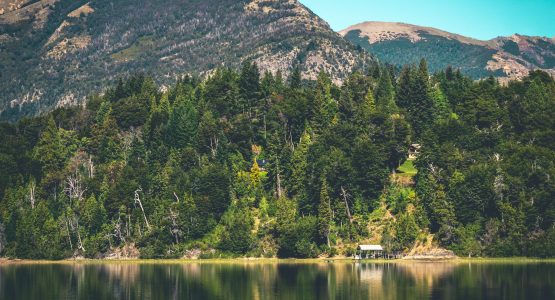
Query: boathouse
[369, 251]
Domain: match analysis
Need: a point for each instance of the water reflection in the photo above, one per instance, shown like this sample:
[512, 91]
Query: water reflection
[254, 280]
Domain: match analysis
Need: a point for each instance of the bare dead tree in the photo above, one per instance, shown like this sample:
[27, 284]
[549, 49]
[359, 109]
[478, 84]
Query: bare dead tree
[214, 142]
[74, 187]
[128, 226]
[291, 141]
[345, 197]
[176, 197]
[117, 230]
[140, 203]
[435, 171]
[73, 224]
[128, 139]
[278, 182]
[80, 245]
[32, 192]
[90, 166]
[175, 231]
[68, 233]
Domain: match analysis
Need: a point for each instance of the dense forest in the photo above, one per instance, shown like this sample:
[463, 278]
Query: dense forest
[250, 164]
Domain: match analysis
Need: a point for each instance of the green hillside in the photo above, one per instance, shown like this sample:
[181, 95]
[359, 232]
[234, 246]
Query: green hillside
[243, 164]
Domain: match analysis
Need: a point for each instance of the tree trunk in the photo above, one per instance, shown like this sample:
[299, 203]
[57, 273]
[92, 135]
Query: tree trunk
[278, 182]
[345, 195]
[138, 201]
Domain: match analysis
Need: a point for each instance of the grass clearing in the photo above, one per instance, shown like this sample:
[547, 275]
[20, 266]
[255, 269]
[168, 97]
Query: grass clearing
[140, 47]
[408, 168]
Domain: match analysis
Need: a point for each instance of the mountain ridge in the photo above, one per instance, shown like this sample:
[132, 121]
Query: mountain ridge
[404, 29]
[60, 51]
[507, 58]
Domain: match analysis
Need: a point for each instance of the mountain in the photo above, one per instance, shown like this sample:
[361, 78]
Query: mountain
[56, 52]
[504, 57]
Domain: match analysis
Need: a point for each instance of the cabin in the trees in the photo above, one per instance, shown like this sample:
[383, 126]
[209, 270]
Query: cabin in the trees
[262, 163]
[414, 151]
[369, 251]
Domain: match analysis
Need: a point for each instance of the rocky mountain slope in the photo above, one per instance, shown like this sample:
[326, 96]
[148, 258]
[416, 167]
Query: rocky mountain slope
[56, 52]
[505, 57]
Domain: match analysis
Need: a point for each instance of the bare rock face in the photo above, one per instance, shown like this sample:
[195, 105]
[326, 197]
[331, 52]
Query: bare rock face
[56, 52]
[7, 6]
[129, 251]
[429, 250]
[432, 254]
[504, 57]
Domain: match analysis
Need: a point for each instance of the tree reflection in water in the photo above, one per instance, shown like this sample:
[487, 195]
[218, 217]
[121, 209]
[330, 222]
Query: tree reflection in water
[273, 280]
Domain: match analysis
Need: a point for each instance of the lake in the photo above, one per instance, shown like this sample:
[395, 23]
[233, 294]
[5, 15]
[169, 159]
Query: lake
[278, 280]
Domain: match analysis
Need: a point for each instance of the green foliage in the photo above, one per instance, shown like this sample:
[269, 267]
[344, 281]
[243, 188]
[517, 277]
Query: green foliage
[50, 150]
[38, 235]
[299, 239]
[248, 166]
[406, 232]
[238, 225]
[385, 94]
[93, 215]
[183, 124]
[408, 168]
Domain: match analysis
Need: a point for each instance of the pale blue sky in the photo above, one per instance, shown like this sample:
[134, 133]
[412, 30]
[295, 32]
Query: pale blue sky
[481, 19]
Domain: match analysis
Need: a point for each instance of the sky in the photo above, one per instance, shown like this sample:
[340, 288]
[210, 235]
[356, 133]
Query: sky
[480, 19]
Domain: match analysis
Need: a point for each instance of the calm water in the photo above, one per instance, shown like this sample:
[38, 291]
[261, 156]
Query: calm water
[278, 281]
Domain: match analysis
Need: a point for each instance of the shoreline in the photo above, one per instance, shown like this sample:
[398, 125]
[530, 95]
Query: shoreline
[503, 260]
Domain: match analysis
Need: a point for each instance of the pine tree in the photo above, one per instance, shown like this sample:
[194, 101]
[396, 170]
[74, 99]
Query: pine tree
[189, 222]
[222, 95]
[93, 215]
[295, 80]
[105, 141]
[324, 107]
[385, 95]
[299, 167]
[208, 139]
[267, 85]
[367, 110]
[249, 86]
[182, 124]
[441, 211]
[444, 215]
[104, 111]
[421, 107]
[404, 88]
[407, 231]
[50, 151]
[441, 106]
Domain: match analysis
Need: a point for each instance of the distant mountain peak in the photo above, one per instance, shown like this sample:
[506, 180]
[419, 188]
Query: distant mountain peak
[384, 31]
[504, 57]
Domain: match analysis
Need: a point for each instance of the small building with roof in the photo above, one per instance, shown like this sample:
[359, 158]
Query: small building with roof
[414, 151]
[369, 251]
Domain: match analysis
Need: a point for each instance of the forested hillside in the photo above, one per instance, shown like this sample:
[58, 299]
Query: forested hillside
[507, 58]
[243, 164]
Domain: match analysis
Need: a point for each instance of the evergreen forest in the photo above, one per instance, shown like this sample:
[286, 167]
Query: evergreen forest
[244, 164]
